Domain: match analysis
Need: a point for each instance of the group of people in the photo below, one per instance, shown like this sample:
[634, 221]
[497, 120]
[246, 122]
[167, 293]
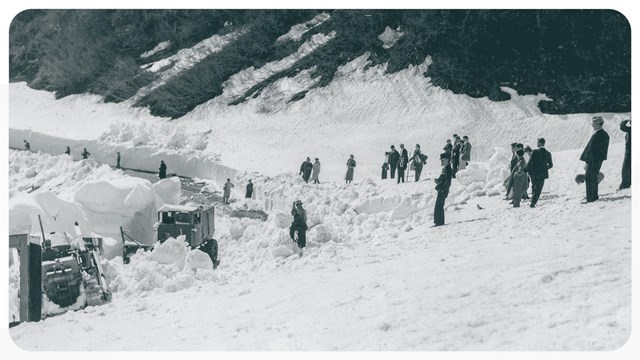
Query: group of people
[528, 167]
[310, 170]
[398, 161]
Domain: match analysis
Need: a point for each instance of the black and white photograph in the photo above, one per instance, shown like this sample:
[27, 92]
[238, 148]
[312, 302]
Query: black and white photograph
[319, 179]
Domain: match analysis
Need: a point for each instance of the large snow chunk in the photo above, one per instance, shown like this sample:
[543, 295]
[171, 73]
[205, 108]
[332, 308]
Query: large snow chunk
[168, 190]
[197, 259]
[123, 195]
[171, 251]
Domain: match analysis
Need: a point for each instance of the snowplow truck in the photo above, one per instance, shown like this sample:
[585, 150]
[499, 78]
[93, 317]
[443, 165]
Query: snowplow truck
[68, 271]
[196, 223]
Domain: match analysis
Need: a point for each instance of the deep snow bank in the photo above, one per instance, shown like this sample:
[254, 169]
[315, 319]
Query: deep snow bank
[100, 199]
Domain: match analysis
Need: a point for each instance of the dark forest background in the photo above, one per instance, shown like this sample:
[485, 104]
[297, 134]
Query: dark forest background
[579, 58]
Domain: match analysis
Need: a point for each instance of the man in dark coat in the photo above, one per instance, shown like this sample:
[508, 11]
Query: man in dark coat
[443, 183]
[538, 170]
[305, 169]
[299, 224]
[394, 158]
[455, 154]
[85, 154]
[593, 155]
[163, 170]
[118, 161]
[249, 192]
[625, 126]
[68, 151]
[402, 164]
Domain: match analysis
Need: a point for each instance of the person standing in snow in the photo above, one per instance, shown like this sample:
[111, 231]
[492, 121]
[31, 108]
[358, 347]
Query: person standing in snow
[299, 224]
[85, 154]
[385, 166]
[455, 154]
[227, 191]
[305, 170]
[594, 154]
[394, 159]
[351, 164]
[508, 183]
[163, 170]
[538, 170]
[249, 192]
[465, 152]
[443, 183]
[118, 161]
[27, 146]
[68, 151]
[527, 156]
[625, 126]
[448, 148]
[418, 163]
[316, 171]
[518, 178]
[402, 163]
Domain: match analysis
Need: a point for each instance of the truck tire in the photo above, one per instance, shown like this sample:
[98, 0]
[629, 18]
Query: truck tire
[210, 247]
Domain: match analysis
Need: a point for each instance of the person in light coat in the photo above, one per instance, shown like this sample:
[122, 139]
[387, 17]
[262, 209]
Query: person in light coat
[315, 172]
[227, 191]
[519, 178]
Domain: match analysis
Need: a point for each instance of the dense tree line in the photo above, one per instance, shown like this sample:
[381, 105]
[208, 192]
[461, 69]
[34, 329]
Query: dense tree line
[580, 58]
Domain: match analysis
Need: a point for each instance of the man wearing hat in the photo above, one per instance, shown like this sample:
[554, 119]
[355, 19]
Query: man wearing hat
[299, 224]
[593, 155]
[538, 169]
[443, 183]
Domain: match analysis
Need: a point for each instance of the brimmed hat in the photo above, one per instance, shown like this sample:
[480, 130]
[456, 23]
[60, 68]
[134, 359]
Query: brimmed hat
[597, 120]
[298, 202]
[541, 140]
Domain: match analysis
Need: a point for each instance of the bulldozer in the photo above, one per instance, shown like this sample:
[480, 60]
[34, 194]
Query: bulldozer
[68, 270]
[195, 222]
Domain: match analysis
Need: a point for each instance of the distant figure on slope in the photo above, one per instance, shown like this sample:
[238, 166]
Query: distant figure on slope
[538, 169]
[249, 192]
[385, 167]
[418, 160]
[305, 169]
[455, 154]
[443, 183]
[299, 224]
[402, 163]
[163, 170]
[118, 161]
[594, 154]
[519, 178]
[27, 146]
[625, 126]
[351, 164]
[394, 159]
[227, 191]
[465, 153]
[85, 154]
[316, 171]
[68, 151]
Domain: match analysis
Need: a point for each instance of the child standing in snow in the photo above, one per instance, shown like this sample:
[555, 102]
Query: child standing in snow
[385, 168]
[27, 146]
